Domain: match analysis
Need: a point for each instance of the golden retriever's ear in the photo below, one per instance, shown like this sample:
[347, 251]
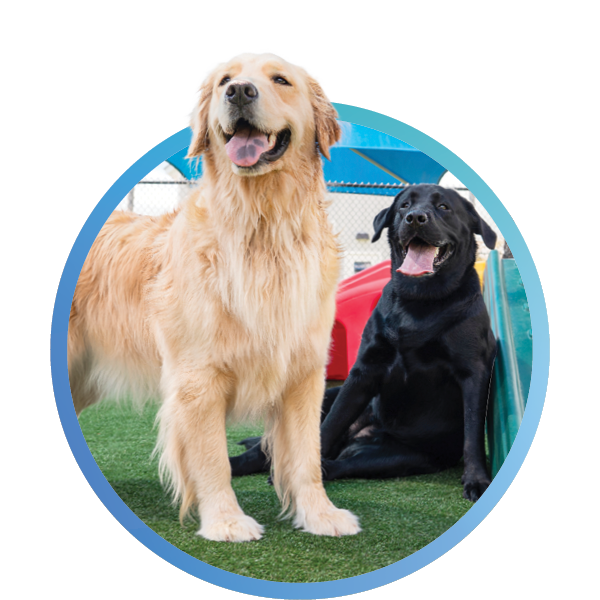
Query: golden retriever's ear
[327, 129]
[199, 124]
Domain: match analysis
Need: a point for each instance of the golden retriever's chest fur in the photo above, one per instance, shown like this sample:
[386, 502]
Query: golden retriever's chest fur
[273, 292]
[273, 311]
[254, 299]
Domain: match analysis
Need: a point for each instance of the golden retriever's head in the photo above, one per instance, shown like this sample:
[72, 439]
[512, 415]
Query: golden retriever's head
[259, 113]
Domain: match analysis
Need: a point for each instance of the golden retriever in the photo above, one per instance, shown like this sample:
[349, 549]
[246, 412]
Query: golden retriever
[224, 308]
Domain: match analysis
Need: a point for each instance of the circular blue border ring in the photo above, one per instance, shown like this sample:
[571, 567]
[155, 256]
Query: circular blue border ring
[328, 589]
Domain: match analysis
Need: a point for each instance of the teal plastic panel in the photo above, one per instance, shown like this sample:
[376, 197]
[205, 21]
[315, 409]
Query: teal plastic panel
[506, 301]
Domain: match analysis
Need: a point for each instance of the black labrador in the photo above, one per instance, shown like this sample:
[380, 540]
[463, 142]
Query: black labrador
[415, 400]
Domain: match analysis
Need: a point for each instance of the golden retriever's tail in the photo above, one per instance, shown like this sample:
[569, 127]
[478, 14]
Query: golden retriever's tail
[84, 388]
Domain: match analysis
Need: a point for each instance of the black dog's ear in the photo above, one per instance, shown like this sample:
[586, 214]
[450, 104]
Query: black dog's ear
[384, 219]
[381, 221]
[481, 227]
[488, 234]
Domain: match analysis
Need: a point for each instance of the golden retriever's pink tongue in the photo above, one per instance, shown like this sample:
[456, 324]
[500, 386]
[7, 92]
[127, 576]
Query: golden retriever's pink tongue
[246, 146]
[418, 260]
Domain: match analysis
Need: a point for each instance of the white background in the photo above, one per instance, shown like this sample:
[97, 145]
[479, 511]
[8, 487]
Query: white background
[510, 87]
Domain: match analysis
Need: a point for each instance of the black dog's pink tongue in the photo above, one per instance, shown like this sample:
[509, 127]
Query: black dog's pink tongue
[418, 260]
[246, 146]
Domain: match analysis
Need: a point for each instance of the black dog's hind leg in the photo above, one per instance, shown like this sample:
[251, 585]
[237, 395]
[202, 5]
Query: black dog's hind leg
[251, 461]
[249, 442]
[380, 460]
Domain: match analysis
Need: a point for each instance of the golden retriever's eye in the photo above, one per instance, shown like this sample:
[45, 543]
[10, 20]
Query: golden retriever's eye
[281, 80]
[443, 207]
[225, 80]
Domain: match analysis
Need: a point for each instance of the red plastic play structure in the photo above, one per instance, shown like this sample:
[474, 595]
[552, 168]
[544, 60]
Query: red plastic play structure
[356, 298]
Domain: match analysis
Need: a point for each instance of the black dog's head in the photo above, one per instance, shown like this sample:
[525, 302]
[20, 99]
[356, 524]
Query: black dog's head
[430, 230]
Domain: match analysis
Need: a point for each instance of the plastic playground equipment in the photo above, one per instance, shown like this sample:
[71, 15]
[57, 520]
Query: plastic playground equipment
[506, 301]
[356, 298]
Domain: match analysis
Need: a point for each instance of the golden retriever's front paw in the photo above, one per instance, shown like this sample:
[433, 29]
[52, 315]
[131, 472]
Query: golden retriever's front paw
[232, 529]
[335, 522]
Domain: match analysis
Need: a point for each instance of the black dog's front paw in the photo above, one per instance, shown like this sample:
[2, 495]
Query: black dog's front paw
[474, 488]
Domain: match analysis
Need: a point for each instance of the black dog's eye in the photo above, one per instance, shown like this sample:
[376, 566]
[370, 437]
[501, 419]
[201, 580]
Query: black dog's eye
[405, 205]
[281, 80]
[225, 80]
[443, 207]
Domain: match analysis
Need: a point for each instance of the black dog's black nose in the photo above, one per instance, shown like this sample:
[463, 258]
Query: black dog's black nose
[241, 93]
[417, 218]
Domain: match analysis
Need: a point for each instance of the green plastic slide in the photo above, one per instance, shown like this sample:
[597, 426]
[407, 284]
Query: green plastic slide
[506, 301]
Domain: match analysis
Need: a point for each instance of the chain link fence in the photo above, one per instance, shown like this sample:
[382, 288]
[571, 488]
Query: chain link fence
[351, 215]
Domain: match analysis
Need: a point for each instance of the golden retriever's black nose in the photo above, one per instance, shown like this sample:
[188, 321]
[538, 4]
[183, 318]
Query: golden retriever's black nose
[417, 218]
[241, 93]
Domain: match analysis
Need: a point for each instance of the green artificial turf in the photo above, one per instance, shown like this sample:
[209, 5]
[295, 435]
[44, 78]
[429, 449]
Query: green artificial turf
[398, 516]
